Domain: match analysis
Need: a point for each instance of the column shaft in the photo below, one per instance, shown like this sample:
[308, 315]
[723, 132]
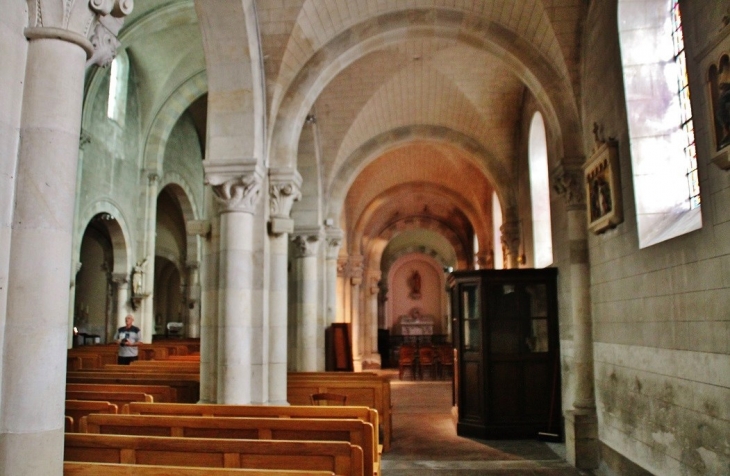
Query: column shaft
[278, 325]
[209, 315]
[235, 332]
[34, 369]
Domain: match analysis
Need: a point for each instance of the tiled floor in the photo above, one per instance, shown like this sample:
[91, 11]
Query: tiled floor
[425, 441]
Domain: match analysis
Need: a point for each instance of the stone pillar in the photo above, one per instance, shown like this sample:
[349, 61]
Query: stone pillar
[209, 306]
[333, 237]
[371, 358]
[581, 423]
[121, 285]
[344, 289]
[192, 299]
[511, 242]
[237, 189]
[308, 327]
[284, 190]
[145, 295]
[36, 327]
[356, 270]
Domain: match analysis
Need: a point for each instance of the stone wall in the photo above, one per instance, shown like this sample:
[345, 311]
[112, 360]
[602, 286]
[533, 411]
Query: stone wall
[661, 331]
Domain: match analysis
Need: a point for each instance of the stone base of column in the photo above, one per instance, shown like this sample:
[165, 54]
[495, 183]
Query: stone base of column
[30, 454]
[581, 438]
[372, 362]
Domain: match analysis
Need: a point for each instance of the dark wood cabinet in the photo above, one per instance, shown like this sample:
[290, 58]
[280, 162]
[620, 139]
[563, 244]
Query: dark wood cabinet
[506, 338]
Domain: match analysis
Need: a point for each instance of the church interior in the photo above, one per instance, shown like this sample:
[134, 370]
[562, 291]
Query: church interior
[536, 190]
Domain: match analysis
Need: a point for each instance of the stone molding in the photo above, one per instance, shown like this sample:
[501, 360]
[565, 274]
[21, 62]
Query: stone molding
[567, 179]
[306, 244]
[93, 24]
[237, 186]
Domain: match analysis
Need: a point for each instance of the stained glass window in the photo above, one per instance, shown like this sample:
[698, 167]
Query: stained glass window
[685, 106]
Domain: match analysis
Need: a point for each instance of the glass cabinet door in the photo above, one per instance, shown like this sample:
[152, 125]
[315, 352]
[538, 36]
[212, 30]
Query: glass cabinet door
[471, 317]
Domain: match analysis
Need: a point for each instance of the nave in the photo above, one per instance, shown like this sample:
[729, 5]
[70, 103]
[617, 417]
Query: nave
[425, 441]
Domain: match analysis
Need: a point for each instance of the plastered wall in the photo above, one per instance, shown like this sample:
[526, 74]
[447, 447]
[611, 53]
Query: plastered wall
[660, 322]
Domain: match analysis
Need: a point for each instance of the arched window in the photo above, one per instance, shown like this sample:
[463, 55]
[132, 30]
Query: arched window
[666, 186]
[540, 193]
[118, 83]
[497, 224]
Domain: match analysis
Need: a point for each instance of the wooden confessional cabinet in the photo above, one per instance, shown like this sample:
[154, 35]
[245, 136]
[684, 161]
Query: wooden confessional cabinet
[507, 377]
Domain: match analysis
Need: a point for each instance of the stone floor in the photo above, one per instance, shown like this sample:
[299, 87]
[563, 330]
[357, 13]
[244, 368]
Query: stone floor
[425, 441]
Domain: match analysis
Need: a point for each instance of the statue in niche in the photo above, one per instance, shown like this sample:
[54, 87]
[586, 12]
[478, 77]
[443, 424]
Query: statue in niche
[137, 278]
[414, 284]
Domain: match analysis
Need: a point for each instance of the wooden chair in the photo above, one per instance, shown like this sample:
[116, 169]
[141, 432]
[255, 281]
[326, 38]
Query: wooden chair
[426, 360]
[328, 399]
[446, 360]
[406, 360]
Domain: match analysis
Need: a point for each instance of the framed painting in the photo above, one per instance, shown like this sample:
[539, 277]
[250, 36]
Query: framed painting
[603, 188]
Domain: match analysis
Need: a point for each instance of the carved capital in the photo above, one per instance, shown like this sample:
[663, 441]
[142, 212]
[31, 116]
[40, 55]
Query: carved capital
[91, 24]
[511, 237]
[121, 280]
[356, 269]
[236, 184]
[333, 236]
[567, 180]
[284, 190]
[343, 267]
[306, 244]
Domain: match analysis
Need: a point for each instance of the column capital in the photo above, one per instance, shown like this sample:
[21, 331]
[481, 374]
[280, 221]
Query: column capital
[343, 267]
[334, 237]
[236, 185]
[284, 189]
[356, 269]
[91, 24]
[567, 179]
[511, 237]
[120, 279]
[307, 243]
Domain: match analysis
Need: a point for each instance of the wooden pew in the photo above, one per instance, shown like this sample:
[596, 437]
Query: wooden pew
[339, 457]
[185, 358]
[362, 388]
[108, 469]
[159, 393]
[363, 413]
[354, 431]
[186, 385]
[117, 398]
[152, 367]
[77, 409]
[68, 424]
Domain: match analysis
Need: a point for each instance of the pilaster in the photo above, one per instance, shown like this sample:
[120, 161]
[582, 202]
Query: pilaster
[581, 422]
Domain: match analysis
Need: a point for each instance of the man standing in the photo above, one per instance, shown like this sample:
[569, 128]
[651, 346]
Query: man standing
[128, 338]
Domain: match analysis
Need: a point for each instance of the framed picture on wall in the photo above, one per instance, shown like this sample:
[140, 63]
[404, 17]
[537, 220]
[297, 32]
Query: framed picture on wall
[603, 187]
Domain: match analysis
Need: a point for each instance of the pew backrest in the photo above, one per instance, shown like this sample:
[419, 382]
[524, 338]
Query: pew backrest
[159, 393]
[77, 409]
[71, 468]
[339, 457]
[354, 431]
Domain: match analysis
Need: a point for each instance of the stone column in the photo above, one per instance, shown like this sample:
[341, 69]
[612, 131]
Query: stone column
[36, 327]
[121, 285]
[333, 237]
[237, 189]
[581, 423]
[147, 263]
[370, 348]
[284, 190]
[192, 299]
[511, 242]
[209, 306]
[356, 270]
[344, 290]
[308, 328]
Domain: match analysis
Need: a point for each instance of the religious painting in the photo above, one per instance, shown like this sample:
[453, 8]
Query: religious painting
[719, 83]
[603, 188]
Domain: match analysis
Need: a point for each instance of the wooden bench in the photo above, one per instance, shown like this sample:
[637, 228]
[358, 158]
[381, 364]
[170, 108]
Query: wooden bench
[152, 367]
[109, 469]
[363, 413]
[354, 431]
[117, 398]
[361, 388]
[339, 457]
[186, 385]
[159, 393]
[77, 409]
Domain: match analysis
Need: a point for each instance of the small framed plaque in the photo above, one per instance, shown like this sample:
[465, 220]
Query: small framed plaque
[603, 187]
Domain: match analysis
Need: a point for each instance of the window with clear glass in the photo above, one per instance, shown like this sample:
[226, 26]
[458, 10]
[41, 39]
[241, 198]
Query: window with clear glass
[497, 230]
[659, 113]
[540, 194]
[118, 85]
